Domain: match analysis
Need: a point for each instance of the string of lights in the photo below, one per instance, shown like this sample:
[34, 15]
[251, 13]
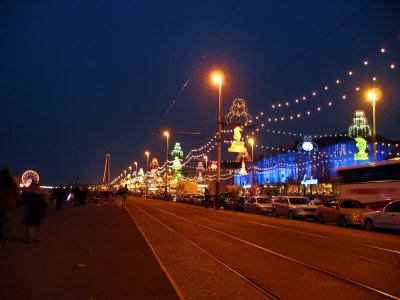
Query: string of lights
[325, 88]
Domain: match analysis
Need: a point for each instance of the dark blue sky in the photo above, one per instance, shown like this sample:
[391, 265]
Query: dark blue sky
[80, 77]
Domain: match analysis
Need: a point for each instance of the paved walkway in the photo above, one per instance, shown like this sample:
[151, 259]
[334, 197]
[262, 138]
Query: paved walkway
[88, 252]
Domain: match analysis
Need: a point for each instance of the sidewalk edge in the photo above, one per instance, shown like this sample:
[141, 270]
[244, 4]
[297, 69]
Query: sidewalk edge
[173, 283]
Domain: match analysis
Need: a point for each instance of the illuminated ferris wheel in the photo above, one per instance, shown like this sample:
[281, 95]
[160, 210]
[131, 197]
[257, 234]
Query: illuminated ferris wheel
[28, 177]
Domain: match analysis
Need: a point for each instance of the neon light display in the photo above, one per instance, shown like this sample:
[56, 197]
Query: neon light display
[28, 177]
[237, 145]
[360, 126]
[307, 144]
[362, 146]
[309, 181]
[238, 113]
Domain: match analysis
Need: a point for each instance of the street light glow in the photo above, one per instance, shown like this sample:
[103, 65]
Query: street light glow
[251, 141]
[374, 94]
[166, 133]
[217, 77]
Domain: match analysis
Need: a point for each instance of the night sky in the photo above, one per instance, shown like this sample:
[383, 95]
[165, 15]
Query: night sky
[78, 78]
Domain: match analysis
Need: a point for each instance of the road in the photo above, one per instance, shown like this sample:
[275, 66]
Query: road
[210, 254]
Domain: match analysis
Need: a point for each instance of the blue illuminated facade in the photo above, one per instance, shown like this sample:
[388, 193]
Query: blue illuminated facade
[286, 168]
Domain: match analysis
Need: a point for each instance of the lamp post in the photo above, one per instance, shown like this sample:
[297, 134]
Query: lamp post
[136, 178]
[205, 172]
[373, 95]
[217, 78]
[166, 134]
[147, 153]
[251, 142]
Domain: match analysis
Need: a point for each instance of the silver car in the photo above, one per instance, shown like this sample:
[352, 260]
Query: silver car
[388, 217]
[259, 205]
[294, 207]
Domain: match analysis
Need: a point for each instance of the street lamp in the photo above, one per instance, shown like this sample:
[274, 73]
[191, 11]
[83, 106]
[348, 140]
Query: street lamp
[166, 134]
[205, 172]
[147, 153]
[136, 178]
[217, 78]
[373, 95]
[251, 142]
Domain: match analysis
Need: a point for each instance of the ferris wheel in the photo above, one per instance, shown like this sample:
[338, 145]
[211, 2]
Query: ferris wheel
[28, 177]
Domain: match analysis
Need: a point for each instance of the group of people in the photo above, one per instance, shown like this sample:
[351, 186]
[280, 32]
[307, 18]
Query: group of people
[11, 197]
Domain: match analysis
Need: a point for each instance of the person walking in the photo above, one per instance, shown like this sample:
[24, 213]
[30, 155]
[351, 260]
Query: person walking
[60, 196]
[122, 196]
[9, 196]
[36, 205]
[206, 198]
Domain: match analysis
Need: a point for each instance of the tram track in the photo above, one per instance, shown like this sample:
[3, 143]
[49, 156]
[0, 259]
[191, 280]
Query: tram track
[259, 286]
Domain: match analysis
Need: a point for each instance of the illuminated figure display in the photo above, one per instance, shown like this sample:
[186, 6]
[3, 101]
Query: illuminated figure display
[359, 130]
[177, 153]
[153, 168]
[237, 145]
[238, 113]
[362, 146]
[360, 127]
[243, 171]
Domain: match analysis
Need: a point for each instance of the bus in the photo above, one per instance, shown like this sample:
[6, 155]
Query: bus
[374, 184]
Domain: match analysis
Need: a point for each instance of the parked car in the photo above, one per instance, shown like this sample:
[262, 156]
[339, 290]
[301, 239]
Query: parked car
[387, 217]
[225, 199]
[259, 205]
[293, 207]
[342, 211]
[235, 203]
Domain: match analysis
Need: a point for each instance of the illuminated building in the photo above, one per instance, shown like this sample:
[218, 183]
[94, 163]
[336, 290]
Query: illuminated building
[283, 171]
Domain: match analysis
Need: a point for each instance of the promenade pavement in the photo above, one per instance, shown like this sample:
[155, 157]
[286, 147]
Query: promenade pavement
[87, 252]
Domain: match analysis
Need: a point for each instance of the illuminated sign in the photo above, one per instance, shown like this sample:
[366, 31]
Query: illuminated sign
[309, 181]
[307, 144]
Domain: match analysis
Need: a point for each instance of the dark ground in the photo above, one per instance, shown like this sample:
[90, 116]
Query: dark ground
[87, 252]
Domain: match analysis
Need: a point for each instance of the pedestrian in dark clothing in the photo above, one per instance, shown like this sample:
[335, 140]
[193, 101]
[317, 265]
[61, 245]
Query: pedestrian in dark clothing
[60, 196]
[9, 196]
[123, 194]
[206, 198]
[36, 205]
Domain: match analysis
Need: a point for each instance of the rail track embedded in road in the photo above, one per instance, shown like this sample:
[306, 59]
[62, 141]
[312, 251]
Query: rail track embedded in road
[266, 291]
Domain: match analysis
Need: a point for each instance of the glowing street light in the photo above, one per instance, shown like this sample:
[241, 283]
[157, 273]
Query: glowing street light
[374, 95]
[166, 134]
[217, 78]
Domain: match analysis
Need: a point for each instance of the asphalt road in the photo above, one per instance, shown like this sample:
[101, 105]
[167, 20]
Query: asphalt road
[230, 255]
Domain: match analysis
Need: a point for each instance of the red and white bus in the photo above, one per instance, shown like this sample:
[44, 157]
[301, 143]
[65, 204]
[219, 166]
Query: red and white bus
[374, 184]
